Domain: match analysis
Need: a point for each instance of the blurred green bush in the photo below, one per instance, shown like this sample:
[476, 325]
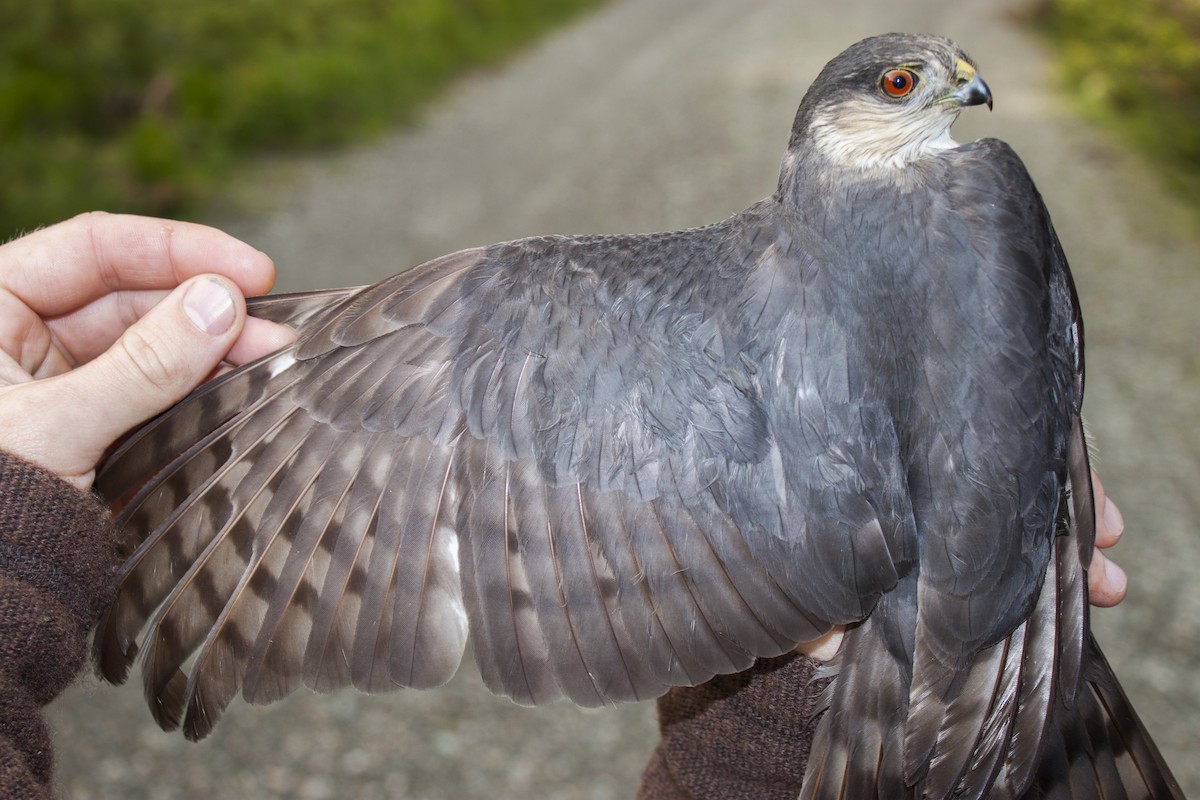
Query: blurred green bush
[133, 106]
[1136, 65]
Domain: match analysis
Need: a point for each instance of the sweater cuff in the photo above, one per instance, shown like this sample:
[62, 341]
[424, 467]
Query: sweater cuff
[56, 538]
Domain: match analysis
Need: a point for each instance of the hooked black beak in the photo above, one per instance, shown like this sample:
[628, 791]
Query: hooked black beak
[974, 93]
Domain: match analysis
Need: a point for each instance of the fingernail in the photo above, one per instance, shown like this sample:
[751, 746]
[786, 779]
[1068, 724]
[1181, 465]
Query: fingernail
[209, 306]
[1113, 519]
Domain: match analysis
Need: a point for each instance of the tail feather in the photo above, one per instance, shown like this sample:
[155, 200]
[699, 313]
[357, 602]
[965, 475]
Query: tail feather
[858, 747]
[1100, 748]
[1031, 740]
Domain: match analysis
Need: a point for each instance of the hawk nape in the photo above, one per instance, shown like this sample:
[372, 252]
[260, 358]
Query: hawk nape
[625, 463]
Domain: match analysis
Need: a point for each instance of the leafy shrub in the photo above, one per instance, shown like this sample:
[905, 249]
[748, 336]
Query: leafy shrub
[146, 107]
[1136, 64]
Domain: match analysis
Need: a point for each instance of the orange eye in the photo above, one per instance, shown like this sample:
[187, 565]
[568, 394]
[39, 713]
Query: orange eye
[898, 82]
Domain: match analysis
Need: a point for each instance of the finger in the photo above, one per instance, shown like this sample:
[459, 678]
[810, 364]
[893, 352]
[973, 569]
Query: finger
[11, 370]
[63, 267]
[1107, 582]
[67, 422]
[1109, 522]
[24, 336]
[86, 332]
[165, 354]
[259, 338]
[91, 330]
[826, 647]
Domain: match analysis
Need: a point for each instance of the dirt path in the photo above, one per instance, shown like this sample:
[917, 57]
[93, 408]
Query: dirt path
[657, 114]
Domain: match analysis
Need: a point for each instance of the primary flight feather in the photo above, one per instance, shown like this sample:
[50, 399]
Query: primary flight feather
[625, 463]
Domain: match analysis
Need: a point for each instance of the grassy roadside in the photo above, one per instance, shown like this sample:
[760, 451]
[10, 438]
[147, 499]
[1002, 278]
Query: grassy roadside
[1135, 66]
[149, 107]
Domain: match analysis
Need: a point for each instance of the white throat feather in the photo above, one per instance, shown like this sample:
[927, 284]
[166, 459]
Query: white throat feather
[871, 137]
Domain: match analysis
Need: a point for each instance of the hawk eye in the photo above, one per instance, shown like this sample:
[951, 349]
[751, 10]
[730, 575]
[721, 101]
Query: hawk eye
[898, 82]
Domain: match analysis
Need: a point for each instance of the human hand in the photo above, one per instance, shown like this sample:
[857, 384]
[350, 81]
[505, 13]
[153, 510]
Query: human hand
[107, 320]
[1107, 582]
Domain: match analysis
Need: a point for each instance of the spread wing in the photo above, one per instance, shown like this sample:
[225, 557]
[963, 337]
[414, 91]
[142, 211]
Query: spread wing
[553, 445]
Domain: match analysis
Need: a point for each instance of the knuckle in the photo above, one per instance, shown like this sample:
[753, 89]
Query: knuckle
[145, 364]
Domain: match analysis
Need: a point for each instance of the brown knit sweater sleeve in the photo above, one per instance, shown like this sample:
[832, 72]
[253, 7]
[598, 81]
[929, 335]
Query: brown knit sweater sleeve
[57, 557]
[737, 737]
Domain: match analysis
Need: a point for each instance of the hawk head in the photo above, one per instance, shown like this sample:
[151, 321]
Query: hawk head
[886, 102]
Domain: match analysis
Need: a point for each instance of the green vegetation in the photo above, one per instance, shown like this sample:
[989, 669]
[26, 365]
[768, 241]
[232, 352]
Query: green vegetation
[1136, 65]
[147, 107]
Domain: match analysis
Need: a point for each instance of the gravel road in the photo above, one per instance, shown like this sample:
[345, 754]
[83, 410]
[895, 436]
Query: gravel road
[654, 114]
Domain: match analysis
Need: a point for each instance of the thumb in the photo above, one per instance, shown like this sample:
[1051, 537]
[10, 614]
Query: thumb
[73, 418]
[164, 355]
